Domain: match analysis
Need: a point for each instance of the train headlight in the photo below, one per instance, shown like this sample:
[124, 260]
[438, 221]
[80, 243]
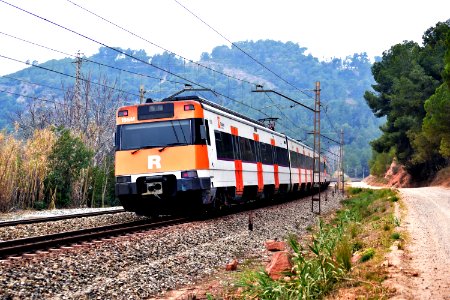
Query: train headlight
[189, 174]
[123, 113]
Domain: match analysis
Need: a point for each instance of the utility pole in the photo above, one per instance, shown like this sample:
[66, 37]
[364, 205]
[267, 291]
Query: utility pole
[77, 92]
[341, 157]
[141, 94]
[316, 149]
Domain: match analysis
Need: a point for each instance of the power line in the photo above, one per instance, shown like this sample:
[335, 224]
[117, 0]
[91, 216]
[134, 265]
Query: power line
[98, 42]
[31, 97]
[331, 124]
[29, 82]
[287, 118]
[121, 52]
[242, 50]
[156, 45]
[68, 75]
[152, 65]
[89, 60]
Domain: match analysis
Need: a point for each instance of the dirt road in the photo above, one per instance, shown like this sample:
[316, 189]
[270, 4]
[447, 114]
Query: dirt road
[428, 252]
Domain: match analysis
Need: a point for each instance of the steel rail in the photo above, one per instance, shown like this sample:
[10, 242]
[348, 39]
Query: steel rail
[57, 218]
[24, 245]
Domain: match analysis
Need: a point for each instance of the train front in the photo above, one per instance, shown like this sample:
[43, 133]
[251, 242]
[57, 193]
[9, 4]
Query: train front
[161, 157]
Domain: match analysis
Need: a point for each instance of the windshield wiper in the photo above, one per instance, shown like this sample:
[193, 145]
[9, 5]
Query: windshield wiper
[173, 144]
[144, 147]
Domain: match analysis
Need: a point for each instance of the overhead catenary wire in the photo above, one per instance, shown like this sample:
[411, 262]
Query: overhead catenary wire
[27, 96]
[121, 52]
[98, 42]
[33, 83]
[89, 60]
[242, 50]
[156, 45]
[68, 75]
[285, 116]
[122, 28]
[145, 62]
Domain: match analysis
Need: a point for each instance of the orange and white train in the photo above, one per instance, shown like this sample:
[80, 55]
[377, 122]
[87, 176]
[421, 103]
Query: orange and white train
[185, 153]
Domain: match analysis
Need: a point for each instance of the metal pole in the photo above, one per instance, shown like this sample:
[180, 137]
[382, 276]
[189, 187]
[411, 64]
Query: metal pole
[342, 161]
[316, 150]
[141, 94]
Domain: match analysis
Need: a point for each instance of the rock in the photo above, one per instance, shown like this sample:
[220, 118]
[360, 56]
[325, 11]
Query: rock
[272, 245]
[356, 257]
[280, 263]
[232, 266]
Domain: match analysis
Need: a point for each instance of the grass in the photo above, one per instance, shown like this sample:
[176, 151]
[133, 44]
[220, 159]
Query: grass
[395, 236]
[323, 263]
[367, 255]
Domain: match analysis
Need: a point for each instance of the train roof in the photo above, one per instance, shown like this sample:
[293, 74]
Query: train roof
[212, 104]
[232, 112]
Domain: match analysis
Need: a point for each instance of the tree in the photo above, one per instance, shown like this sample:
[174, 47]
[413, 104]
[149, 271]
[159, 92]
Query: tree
[68, 157]
[406, 77]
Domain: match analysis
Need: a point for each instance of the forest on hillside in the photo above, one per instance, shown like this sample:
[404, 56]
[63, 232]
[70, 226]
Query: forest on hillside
[48, 111]
[412, 92]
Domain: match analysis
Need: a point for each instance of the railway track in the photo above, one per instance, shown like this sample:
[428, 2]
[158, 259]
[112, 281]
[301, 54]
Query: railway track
[32, 244]
[58, 218]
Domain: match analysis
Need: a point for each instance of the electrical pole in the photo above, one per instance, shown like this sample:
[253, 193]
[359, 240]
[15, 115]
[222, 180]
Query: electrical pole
[77, 92]
[316, 149]
[341, 156]
[141, 94]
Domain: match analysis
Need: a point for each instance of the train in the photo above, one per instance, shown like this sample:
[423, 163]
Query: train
[189, 154]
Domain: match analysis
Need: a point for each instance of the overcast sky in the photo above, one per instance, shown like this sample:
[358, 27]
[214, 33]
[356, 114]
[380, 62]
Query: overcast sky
[328, 28]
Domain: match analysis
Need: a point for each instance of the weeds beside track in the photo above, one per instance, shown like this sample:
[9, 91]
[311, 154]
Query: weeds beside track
[343, 253]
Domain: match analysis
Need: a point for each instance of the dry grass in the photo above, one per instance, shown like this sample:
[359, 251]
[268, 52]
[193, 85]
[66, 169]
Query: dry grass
[23, 168]
[368, 272]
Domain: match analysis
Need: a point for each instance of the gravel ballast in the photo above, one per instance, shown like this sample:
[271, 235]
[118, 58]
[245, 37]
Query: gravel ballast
[147, 264]
[37, 229]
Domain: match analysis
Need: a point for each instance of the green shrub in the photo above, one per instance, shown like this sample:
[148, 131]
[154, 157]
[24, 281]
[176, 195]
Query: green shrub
[344, 251]
[354, 191]
[367, 255]
[395, 236]
[39, 205]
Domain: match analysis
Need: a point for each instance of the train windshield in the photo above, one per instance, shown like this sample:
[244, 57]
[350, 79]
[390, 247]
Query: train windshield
[154, 134]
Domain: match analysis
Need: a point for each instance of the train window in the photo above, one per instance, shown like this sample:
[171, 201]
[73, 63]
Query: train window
[294, 159]
[224, 145]
[266, 154]
[310, 163]
[248, 149]
[302, 161]
[282, 156]
[208, 139]
[236, 147]
[197, 135]
[155, 134]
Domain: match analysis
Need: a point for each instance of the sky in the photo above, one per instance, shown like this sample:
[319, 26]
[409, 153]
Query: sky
[327, 28]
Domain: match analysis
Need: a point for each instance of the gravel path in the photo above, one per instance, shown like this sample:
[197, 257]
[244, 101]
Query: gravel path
[428, 223]
[148, 264]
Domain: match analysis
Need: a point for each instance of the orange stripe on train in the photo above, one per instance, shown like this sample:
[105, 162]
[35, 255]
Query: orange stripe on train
[170, 159]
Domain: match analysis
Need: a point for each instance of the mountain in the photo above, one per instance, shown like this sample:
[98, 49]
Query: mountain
[232, 73]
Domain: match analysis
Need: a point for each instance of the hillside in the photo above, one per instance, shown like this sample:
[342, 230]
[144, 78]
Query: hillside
[343, 83]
